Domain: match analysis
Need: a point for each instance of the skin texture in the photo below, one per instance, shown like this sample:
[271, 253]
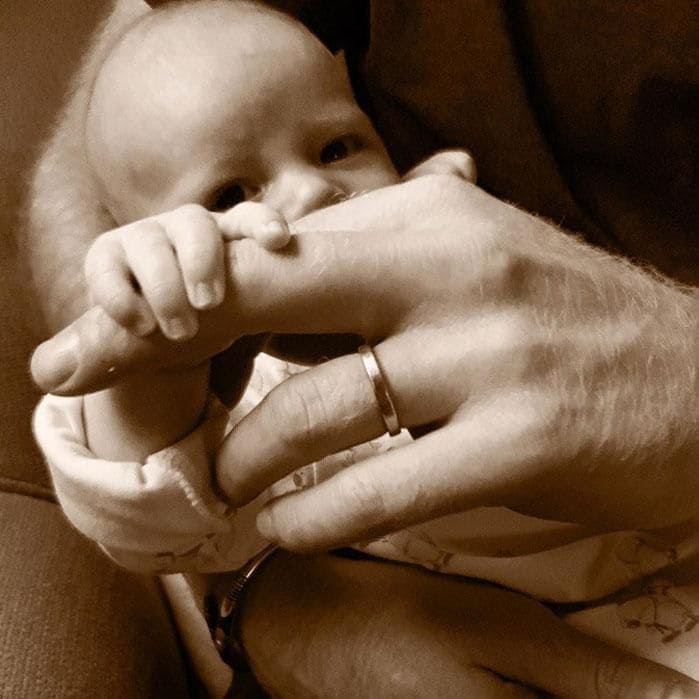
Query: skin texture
[446, 638]
[235, 96]
[68, 212]
[214, 104]
[508, 384]
[202, 106]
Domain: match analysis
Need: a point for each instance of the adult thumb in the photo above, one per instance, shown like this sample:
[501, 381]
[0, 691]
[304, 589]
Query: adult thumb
[92, 353]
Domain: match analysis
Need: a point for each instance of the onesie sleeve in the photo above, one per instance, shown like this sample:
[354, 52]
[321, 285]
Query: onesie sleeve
[163, 515]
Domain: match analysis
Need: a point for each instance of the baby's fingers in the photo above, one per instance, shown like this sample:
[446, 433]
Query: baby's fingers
[253, 219]
[200, 254]
[111, 286]
[152, 260]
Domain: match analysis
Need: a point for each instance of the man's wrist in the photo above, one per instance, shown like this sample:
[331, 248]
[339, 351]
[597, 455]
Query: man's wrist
[224, 617]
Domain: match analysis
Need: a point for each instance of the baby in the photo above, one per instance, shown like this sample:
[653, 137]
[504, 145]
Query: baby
[235, 108]
[220, 120]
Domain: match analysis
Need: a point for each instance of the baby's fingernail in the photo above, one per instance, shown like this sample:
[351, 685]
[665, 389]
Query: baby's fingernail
[207, 295]
[178, 329]
[144, 326]
[203, 295]
[275, 234]
[55, 361]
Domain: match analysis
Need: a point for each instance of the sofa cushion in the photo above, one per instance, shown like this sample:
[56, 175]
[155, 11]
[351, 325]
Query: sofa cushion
[71, 622]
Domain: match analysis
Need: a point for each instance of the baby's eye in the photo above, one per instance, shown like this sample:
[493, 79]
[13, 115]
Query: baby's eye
[339, 149]
[228, 196]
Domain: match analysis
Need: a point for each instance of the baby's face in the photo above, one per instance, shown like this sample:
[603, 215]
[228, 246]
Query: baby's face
[270, 118]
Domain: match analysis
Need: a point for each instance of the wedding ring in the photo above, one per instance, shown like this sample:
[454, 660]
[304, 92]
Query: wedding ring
[383, 397]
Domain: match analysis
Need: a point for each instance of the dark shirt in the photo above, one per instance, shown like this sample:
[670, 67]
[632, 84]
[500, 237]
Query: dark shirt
[586, 113]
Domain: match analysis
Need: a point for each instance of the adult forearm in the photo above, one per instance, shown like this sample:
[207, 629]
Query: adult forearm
[325, 626]
[65, 212]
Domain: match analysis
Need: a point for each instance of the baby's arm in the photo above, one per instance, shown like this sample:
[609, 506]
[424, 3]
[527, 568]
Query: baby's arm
[161, 271]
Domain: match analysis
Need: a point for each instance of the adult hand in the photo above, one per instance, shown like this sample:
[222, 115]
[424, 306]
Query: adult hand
[349, 628]
[556, 380]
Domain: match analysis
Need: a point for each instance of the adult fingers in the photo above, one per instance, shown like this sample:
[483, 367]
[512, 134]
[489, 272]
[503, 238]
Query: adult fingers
[480, 458]
[265, 292]
[308, 290]
[199, 249]
[300, 421]
[90, 354]
[333, 406]
[519, 638]
[110, 284]
[594, 670]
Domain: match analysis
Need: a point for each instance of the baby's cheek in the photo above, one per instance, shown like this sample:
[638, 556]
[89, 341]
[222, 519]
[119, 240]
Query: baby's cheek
[375, 175]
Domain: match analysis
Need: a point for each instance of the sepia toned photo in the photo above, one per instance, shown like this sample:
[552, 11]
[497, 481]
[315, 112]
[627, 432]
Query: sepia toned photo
[350, 349]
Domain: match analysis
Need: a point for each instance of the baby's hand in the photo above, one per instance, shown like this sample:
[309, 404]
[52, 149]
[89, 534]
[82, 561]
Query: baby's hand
[159, 271]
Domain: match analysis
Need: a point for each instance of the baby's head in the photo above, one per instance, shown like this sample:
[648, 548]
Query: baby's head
[218, 101]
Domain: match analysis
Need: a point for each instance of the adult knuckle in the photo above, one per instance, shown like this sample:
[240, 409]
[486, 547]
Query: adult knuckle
[512, 345]
[299, 410]
[505, 273]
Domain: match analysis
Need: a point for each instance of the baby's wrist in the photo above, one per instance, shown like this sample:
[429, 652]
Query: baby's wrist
[145, 414]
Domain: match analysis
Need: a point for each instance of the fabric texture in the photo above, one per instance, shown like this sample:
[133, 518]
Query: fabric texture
[140, 514]
[72, 624]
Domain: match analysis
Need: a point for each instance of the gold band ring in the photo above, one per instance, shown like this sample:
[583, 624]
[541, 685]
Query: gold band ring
[383, 397]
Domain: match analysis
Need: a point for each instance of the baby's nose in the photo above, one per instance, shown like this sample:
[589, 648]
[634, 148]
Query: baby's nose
[298, 193]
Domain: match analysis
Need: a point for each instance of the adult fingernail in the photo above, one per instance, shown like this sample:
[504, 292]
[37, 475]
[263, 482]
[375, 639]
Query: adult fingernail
[265, 525]
[55, 361]
[178, 329]
[204, 295]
